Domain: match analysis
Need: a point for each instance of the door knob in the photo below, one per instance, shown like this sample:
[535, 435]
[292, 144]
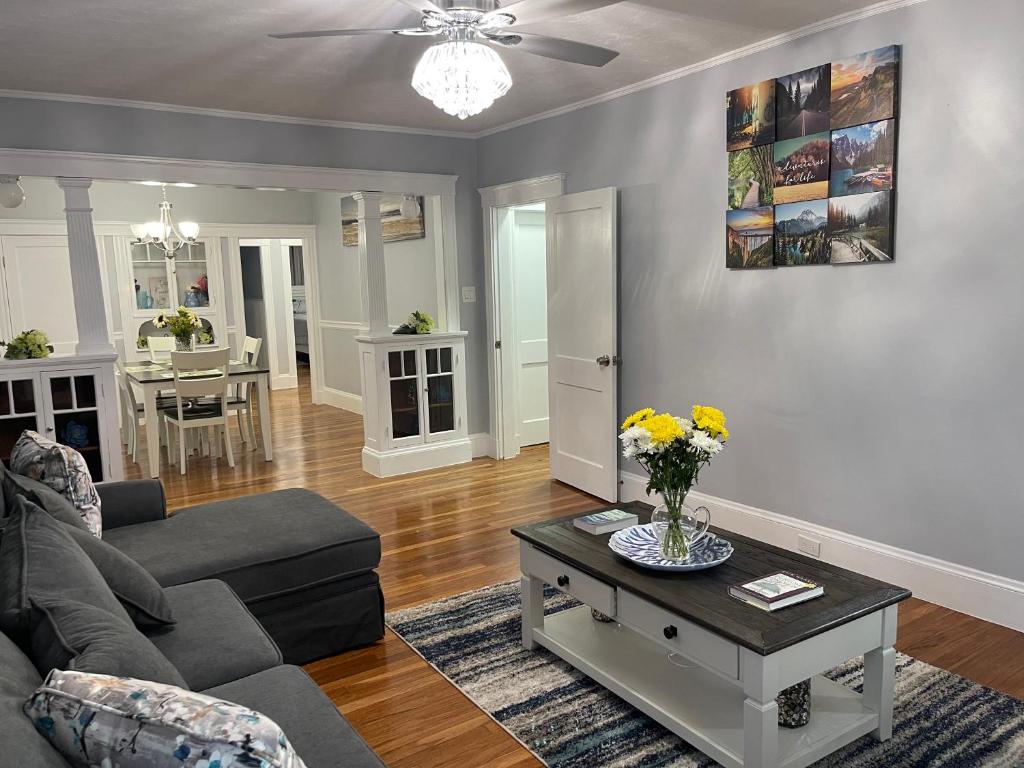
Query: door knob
[563, 580]
[670, 631]
[603, 361]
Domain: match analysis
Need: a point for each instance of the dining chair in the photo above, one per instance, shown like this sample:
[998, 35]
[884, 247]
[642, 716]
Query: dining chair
[241, 402]
[201, 395]
[160, 348]
[133, 412]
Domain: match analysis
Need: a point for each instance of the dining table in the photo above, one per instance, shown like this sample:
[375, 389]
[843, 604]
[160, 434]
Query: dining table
[156, 378]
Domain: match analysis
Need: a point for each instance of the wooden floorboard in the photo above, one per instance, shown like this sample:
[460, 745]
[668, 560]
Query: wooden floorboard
[445, 532]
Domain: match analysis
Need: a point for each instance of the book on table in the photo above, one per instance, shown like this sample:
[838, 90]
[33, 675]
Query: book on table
[606, 522]
[777, 591]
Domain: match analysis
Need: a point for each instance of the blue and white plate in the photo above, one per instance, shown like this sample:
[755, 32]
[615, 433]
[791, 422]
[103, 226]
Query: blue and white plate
[639, 544]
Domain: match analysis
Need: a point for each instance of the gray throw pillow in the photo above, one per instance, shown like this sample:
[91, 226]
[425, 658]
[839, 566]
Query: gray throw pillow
[42, 496]
[88, 639]
[138, 591]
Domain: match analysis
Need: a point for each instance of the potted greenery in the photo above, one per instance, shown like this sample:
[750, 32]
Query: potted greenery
[28, 345]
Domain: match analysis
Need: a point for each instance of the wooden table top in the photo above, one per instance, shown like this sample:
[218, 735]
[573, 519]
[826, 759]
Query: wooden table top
[703, 596]
[147, 372]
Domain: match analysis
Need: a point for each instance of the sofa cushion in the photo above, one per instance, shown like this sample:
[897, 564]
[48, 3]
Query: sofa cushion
[216, 639]
[320, 735]
[40, 562]
[22, 745]
[262, 545]
[100, 720]
[63, 469]
[42, 496]
[140, 595]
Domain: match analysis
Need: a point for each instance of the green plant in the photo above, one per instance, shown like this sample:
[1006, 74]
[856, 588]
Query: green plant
[28, 345]
[206, 337]
[142, 342]
[182, 323]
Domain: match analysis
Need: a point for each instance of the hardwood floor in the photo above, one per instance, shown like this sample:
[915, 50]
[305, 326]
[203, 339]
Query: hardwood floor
[445, 532]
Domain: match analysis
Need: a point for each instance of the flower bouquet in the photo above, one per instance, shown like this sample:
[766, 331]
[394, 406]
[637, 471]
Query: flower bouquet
[182, 323]
[673, 451]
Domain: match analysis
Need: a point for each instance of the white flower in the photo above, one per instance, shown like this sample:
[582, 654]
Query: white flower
[635, 440]
[705, 442]
[684, 424]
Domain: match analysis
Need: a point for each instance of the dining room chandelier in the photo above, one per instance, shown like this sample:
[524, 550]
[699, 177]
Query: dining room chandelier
[461, 76]
[165, 234]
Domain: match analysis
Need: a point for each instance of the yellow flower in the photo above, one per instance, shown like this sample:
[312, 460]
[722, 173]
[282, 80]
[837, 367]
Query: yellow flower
[711, 420]
[663, 429]
[636, 418]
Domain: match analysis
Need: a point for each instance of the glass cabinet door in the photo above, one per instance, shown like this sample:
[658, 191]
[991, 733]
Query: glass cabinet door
[192, 276]
[20, 408]
[151, 286]
[75, 412]
[405, 395]
[439, 389]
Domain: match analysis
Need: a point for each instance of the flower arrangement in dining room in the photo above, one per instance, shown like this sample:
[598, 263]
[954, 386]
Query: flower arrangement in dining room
[673, 451]
[182, 323]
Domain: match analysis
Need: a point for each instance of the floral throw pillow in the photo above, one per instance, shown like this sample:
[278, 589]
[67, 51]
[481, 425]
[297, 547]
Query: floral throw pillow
[61, 468]
[95, 720]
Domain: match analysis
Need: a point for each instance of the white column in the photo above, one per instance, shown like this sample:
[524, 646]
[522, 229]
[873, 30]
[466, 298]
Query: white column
[371, 263]
[86, 280]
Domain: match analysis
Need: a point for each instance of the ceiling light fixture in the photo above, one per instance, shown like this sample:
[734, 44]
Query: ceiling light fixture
[12, 194]
[461, 77]
[165, 234]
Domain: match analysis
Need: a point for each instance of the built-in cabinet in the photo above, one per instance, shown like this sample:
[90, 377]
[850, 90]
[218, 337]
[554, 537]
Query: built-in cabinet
[71, 400]
[414, 402]
[148, 282]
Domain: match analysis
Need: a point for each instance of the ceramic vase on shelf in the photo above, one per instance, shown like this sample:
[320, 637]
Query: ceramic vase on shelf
[677, 526]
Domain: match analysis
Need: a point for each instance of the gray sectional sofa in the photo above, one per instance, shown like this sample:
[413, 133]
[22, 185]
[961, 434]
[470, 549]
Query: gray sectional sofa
[257, 585]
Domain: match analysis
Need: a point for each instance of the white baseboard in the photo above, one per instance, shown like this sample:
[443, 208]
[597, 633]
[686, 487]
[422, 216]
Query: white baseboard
[284, 381]
[985, 595]
[402, 461]
[344, 400]
[483, 445]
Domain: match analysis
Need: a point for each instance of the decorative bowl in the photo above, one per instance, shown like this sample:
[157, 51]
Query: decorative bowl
[639, 544]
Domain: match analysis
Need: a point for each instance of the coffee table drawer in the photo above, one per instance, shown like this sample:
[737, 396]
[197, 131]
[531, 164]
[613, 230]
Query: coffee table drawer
[573, 582]
[679, 635]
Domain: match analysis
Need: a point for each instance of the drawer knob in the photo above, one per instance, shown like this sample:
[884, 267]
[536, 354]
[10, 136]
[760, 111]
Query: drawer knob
[670, 631]
[563, 580]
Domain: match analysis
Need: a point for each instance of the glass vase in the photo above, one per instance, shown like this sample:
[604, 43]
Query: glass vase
[184, 343]
[667, 520]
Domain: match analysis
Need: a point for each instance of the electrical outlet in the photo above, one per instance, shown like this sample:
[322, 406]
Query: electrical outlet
[808, 546]
[468, 294]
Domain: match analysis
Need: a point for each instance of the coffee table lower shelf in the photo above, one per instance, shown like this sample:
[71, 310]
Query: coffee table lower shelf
[704, 709]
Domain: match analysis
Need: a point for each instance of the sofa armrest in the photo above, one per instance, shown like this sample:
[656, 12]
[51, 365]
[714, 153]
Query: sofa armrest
[128, 502]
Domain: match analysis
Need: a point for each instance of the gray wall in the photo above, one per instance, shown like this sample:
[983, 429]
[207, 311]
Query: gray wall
[882, 400]
[54, 125]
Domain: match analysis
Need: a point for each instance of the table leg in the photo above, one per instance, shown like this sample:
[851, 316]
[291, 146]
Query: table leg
[152, 430]
[532, 594]
[264, 392]
[880, 676]
[760, 712]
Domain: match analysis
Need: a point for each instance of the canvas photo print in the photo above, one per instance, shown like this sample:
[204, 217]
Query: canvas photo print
[750, 116]
[394, 226]
[802, 103]
[860, 228]
[864, 87]
[751, 177]
[862, 159]
[801, 168]
[749, 236]
[801, 234]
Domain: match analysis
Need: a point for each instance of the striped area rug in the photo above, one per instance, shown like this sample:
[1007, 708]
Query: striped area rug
[569, 721]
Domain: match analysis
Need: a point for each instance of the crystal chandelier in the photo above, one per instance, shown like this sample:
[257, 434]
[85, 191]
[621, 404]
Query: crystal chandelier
[165, 234]
[461, 76]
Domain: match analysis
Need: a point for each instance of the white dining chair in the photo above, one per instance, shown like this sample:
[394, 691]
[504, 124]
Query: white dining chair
[201, 398]
[160, 348]
[133, 412]
[241, 402]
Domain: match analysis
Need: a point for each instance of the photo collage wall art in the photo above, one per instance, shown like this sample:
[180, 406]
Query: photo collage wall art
[812, 165]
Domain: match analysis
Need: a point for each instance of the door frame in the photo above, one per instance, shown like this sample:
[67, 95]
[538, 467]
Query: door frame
[501, 359]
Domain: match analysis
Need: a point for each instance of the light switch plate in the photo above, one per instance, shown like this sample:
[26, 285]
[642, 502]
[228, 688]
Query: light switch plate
[469, 294]
[808, 546]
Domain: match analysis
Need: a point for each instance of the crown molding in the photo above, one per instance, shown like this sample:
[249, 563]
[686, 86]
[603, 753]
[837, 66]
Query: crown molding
[230, 114]
[772, 42]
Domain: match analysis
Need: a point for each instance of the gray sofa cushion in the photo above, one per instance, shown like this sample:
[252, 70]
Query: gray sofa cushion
[320, 735]
[42, 496]
[216, 639]
[263, 545]
[22, 745]
[140, 595]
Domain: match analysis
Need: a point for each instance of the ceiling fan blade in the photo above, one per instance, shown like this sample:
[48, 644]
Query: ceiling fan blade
[531, 11]
[424, 6]
[352, 32]
[554, 48]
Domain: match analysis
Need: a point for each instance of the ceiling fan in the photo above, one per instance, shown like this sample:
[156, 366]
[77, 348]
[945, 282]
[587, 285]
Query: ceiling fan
[462, 74]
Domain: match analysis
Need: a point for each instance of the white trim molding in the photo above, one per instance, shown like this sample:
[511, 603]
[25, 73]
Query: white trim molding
[347, 401]
[483, 445]
[985, 595]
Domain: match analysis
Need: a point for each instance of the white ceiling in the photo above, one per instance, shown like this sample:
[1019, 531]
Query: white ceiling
[215, 54]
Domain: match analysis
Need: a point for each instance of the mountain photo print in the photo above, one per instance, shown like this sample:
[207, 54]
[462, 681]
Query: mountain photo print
[801, 234]
[864, 87]
[860, 228]
[862, 158]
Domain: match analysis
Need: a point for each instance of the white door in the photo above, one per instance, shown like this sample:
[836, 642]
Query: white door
[582, 259]
[530, 302]
[37, 278]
